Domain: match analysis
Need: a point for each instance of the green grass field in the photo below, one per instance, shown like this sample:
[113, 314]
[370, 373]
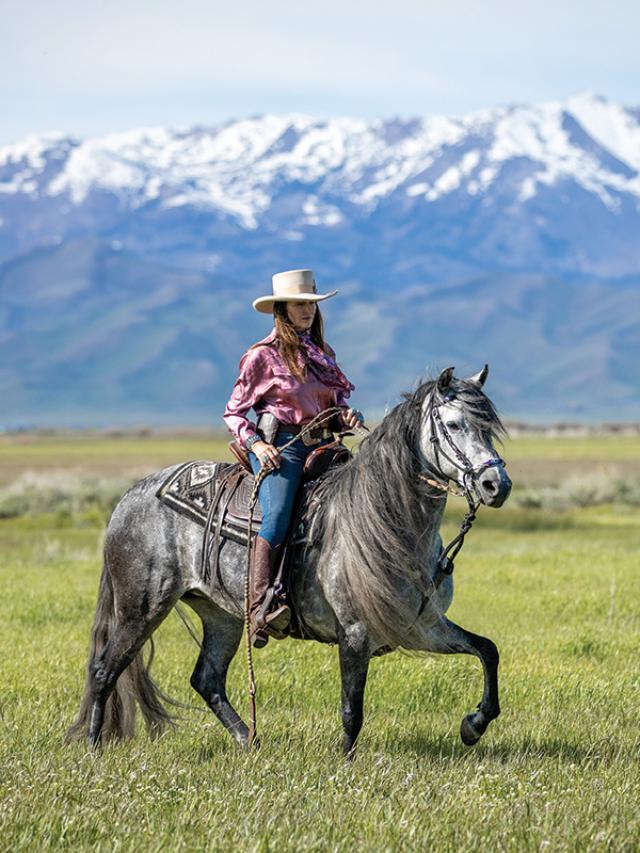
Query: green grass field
[559, 592]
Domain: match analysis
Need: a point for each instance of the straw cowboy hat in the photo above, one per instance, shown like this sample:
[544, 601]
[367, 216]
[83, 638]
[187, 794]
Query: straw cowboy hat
[291, 286]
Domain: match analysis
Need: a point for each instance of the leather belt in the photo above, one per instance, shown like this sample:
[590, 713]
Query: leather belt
[314, 436]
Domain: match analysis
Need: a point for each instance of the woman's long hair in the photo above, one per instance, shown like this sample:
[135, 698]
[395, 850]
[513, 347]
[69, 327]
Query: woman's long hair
[289, 342]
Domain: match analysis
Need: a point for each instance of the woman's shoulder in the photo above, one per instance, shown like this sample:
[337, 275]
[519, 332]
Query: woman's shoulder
[269, 341]
[261, 351]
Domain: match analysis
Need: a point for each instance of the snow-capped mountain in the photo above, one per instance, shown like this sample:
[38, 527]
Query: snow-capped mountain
[551, 188]
[522, 204]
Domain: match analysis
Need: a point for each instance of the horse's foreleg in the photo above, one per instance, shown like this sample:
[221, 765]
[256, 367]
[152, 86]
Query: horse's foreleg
[355, 654]
[219, 644]
[449, 638]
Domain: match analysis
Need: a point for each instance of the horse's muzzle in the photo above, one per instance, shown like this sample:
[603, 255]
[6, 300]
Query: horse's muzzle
[492, 486]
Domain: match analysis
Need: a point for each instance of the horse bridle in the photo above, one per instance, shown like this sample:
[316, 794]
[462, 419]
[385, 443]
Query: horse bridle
[469, 471]
[459, 460]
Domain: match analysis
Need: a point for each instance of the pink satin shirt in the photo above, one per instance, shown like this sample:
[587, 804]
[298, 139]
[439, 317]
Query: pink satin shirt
[265, 385]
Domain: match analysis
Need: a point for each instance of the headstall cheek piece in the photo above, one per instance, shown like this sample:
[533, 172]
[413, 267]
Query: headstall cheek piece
[463, 464]
[468, 470]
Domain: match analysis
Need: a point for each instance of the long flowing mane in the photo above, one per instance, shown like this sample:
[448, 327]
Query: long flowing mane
[381, 520]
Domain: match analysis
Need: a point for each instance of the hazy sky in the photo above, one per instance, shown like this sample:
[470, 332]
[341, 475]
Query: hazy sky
[85, 67]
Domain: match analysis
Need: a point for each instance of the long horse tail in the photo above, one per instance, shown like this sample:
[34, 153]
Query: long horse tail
[134, 686]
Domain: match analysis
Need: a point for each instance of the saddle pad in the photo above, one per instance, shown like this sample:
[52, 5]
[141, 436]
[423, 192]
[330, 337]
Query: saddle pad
[193, 488]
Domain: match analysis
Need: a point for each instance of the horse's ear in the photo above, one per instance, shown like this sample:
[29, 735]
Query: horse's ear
[444, 380]
[480, 378]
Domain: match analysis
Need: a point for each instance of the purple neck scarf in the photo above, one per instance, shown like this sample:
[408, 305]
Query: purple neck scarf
[322, 364]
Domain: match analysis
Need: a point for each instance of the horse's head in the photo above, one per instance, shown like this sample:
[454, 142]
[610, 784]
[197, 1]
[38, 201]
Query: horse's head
[459, 427]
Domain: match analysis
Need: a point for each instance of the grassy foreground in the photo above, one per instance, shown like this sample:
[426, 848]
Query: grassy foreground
[558, 771]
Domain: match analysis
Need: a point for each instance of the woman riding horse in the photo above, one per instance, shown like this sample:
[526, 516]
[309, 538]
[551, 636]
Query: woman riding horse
[371, 572]
[288, 379]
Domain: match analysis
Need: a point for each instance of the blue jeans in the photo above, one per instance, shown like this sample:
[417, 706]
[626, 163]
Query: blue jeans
[278, 489]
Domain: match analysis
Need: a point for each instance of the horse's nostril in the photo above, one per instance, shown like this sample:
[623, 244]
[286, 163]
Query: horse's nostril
[489, 486]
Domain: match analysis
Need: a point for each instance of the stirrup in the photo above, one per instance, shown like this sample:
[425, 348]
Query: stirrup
[260, 636]
[272, 632]
[273, 613]
[279, 619]
[264, 627]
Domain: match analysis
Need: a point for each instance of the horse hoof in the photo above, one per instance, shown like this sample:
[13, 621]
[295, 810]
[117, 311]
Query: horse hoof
[468, 732]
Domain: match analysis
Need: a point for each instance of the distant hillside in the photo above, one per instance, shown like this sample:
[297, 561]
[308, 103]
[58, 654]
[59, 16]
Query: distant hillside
[96, 336]
[511, 236]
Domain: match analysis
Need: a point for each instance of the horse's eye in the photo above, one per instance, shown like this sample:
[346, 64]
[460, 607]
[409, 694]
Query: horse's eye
[454, 426]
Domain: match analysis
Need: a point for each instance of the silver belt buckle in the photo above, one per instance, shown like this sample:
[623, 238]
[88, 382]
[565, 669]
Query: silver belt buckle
[308, 440]
[326, 434]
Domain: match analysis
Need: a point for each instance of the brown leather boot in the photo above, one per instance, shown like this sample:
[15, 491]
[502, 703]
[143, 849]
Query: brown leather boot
[267, 612]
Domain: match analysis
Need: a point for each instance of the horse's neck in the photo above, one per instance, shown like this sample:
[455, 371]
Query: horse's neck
[434, 508]
[426, 519]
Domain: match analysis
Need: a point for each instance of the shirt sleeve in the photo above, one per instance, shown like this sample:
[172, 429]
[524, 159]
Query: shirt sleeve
[342, 398]
[246, 392]
[342, 395]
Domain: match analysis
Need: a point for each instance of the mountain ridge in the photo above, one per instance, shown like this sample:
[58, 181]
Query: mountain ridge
[293, 175]
[505, 236]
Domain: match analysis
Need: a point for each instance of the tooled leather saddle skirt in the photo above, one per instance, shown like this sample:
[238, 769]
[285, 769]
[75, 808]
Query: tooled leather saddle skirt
[205, 490]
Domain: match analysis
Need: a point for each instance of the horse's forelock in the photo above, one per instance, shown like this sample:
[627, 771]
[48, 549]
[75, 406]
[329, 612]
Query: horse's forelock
[399, 432]
[480, 413]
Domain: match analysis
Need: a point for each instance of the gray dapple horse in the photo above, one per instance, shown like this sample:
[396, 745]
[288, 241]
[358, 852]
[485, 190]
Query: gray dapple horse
[370, 576]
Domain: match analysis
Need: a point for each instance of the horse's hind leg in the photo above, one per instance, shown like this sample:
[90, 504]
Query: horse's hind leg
[449, 638]
[104, 671]
[221, 637]
[122, 624]
[120, 652]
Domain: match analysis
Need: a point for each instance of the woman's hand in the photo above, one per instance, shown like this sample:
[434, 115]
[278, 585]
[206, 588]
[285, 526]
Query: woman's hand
[352, 417]
[268, 455]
